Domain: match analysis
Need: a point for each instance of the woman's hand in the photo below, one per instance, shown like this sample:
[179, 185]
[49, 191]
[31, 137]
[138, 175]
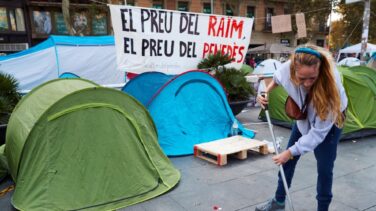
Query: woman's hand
[282, 158]
[262, 100]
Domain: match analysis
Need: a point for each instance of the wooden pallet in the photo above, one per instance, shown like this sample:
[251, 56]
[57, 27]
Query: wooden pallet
[217, 151]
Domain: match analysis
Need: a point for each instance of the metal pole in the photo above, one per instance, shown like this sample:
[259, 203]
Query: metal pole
[366, 14]
[212, 6]
[330, 24]
[281, 171]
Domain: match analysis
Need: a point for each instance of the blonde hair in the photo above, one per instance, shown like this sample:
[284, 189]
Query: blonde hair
[324, 92]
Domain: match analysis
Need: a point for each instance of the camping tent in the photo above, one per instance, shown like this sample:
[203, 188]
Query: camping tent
[68, 75]
[267, 67]
[361, 114]
[349, 61]
[73, 145]
[188, 109]
[356, 49]
[145, 85]
[372, 62]
[92, 58]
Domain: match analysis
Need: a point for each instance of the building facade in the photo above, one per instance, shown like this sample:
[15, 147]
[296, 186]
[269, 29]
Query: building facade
[14, 26]
[31, 21]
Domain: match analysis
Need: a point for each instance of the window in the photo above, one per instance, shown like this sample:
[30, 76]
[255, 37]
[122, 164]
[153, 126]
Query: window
[183, 6]
[251, 14]
[46, 21]
[42, 22]
[157, 5]
[20, 21]
[268, 20]
[60, 27]
[80, 22]
[130, 2]
[229, 11]
[3, 19]
[207, 8]
[11, 19]
[99, 24]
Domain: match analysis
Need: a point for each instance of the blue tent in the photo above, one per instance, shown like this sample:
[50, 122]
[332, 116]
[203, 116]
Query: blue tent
[144, 86]
[188, 109]
[69, 75]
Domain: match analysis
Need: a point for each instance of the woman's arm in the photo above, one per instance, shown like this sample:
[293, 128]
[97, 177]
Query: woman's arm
[264, 100]
[271, 86]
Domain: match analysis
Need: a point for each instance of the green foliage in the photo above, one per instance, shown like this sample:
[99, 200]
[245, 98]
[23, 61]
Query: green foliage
[213, 61]
[246, 69]
[232, 80]
[352, 19]
[9, 96]
[318, 14]
[236, 85]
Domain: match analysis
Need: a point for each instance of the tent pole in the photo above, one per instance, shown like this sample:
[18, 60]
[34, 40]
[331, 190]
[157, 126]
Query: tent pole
[276, 149]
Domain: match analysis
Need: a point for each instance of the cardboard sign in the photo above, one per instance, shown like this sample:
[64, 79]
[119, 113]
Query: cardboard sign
[300, 23]
[281, 23]
[173, 42]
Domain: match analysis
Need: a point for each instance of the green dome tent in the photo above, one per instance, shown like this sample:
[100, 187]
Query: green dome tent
[360, 86]
[73, 145]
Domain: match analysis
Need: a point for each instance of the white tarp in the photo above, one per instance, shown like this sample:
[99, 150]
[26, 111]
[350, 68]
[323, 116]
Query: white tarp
[267, 67]
[173, 42]
[349, 61]
[92, 58]
[357, 49]
[32, 69]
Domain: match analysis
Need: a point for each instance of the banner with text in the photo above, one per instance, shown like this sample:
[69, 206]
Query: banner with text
[173, 42]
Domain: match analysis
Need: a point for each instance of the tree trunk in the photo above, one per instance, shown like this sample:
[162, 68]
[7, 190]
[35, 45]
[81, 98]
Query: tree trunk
[66, 15]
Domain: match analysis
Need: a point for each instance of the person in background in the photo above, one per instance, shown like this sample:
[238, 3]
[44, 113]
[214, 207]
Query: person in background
[310, 78]
[252, 62]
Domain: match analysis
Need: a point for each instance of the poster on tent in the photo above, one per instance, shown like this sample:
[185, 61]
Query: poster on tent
[173, 42]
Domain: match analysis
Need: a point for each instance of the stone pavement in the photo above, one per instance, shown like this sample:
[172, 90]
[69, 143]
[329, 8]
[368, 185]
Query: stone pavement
[241, 184]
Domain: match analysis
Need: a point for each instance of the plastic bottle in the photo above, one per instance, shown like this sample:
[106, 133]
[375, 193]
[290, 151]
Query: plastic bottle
[234, 129]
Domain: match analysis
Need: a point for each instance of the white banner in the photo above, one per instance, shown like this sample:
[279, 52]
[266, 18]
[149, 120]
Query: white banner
[173, 42]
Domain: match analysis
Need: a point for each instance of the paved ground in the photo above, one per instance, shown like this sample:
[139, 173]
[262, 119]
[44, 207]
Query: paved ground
[240, 185]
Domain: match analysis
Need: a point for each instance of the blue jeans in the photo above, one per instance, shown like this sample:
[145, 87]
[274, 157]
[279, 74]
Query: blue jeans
[325, 154]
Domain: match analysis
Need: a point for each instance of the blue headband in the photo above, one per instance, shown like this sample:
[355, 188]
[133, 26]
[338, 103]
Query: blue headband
[309, 51]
